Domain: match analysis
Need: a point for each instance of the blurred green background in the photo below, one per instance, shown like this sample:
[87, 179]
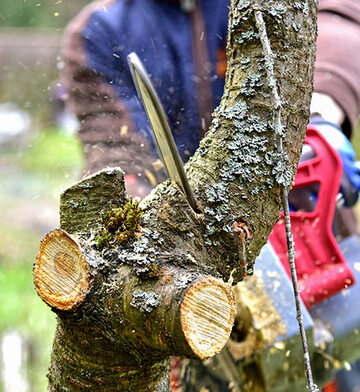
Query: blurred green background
[34, 167]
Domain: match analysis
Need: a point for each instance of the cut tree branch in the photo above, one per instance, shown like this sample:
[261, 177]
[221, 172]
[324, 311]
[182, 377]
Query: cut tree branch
[133, 284]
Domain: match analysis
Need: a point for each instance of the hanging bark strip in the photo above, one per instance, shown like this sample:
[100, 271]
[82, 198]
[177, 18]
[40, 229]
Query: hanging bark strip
[284, 192]
[134, 284]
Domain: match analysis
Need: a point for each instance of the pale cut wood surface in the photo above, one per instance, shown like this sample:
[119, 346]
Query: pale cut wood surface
[207, 316]
[61, 273]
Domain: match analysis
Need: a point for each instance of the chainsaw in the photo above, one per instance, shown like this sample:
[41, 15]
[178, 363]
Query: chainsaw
[264, 352]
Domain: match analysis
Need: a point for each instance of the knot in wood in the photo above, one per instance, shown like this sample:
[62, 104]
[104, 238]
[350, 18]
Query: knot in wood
[242, 230]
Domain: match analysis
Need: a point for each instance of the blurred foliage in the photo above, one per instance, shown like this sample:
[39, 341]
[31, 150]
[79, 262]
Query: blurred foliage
[33, 169]
[21, 310]
[29, 88]
[30, 36]
[38, 13]
[38, 169]
[55, 153]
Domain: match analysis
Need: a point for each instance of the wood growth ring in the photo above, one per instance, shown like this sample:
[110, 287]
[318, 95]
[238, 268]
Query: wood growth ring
[61, 272]
[207, 316]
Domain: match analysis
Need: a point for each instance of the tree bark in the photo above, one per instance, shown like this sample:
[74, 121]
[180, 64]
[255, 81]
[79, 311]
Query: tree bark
[128, 297]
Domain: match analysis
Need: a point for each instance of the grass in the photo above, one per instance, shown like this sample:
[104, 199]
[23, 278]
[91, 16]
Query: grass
[53, 151]
[53, 161]
[38, 172]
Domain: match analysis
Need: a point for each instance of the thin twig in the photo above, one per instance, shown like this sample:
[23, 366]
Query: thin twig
[269, 65]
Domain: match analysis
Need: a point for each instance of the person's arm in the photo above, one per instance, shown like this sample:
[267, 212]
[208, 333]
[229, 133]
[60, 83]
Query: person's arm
[108, 122]
[337, 71]
[335, 106]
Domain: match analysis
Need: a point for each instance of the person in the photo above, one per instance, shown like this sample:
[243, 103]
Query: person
[182, 44]
[336, 100]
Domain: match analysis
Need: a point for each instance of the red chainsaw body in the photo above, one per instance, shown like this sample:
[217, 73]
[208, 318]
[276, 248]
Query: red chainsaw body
[321, 268]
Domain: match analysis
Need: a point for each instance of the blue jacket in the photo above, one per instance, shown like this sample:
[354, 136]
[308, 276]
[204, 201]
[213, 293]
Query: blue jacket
[184, 55]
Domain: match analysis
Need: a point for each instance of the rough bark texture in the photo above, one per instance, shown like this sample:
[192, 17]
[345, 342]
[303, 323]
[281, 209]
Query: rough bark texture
[238, 171]
[160, 291]
[141, 304]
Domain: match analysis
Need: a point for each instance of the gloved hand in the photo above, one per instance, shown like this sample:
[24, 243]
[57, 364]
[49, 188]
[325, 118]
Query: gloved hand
[350, 182]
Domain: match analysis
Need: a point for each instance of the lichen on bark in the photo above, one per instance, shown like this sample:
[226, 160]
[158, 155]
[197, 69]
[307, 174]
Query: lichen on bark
[237, 172]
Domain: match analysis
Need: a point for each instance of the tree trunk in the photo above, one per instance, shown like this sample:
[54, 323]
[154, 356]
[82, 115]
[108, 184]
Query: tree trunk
[133, 284]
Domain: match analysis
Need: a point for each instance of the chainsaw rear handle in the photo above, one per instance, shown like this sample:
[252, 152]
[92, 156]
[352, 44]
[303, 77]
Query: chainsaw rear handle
[321, 267]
